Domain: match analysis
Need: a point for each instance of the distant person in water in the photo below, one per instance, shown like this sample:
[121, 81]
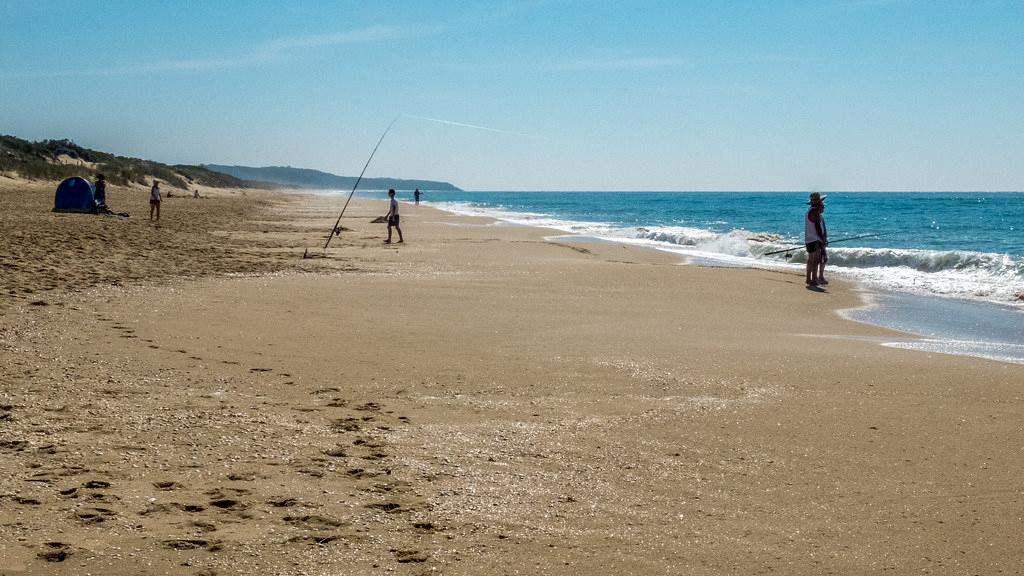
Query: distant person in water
[393, 219]
[101, 191]
[814, 237]
[416, 195]
[154, 200]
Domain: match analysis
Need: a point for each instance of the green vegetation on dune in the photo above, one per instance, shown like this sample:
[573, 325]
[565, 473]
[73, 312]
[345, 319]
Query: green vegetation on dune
[59, 159]
[42, 161]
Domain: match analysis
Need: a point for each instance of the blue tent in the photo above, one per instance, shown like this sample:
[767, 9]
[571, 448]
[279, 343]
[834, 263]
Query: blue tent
[75, 194]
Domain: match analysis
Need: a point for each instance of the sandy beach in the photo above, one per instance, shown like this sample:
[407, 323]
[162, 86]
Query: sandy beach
[194, 397]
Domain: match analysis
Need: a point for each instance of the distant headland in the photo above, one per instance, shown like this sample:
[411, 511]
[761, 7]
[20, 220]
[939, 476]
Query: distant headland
[58, 159]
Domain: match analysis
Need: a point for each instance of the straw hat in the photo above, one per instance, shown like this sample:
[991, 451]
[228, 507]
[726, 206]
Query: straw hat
[816, 198]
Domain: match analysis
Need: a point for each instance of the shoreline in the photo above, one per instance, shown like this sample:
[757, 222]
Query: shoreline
[922, 326]
[481, 400]
[959, 266]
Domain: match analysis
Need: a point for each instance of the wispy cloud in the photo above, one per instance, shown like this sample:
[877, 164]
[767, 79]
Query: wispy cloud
[270, 51]
[617, 63]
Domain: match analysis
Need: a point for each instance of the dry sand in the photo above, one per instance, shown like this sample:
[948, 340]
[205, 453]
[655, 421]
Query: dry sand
[195, 398]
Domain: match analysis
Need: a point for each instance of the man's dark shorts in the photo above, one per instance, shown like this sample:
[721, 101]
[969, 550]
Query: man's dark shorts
[813, 247]
[393, 220]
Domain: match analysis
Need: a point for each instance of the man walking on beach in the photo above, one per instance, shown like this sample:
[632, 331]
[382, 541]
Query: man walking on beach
[814, 237]
[393, 219]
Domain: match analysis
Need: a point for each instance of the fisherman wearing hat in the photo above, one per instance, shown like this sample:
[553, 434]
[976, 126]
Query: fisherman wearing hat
[815, 239]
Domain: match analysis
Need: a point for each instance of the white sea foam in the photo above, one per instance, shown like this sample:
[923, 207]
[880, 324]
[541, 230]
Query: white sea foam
[962, 274]
[1001, 352]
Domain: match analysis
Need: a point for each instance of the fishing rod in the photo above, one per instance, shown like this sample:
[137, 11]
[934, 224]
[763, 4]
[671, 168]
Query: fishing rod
[830, 242]
[335, 230]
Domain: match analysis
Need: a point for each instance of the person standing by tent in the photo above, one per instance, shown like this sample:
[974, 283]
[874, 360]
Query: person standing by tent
[392, 217]
[100, 196]
[154, 200]
[814, 237]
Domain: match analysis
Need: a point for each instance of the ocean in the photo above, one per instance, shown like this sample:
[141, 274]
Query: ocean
[923, 257]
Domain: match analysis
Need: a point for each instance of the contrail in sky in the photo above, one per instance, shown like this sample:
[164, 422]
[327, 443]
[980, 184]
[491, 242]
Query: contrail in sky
[464, 125]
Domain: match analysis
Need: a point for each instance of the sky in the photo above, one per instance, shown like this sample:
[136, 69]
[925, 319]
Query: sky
[537, 95]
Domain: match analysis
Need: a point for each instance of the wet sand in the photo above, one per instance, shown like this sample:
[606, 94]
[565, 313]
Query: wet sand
[475, 401]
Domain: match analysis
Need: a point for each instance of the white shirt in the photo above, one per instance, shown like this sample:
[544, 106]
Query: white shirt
[810, 230]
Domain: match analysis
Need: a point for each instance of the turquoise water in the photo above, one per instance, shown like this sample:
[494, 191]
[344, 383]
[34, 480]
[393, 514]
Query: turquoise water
[965, 246]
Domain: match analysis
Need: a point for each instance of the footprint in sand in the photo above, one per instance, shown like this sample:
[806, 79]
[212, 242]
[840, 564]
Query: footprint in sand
[13, 445]
[192, 544]
[90, 515]
[313, 522]
[407, 556]
[346, 425]
[366, 442]
[318, 539]
[361, 473]
[389, 507]
[55, 552]
[227, 504]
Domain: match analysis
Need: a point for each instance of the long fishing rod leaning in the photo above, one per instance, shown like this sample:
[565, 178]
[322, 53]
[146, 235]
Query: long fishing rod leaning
[334, 230]
[830, 242]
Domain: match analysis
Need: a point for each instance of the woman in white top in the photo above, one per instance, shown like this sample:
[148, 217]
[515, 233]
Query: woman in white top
[154, 200]
[814, 237]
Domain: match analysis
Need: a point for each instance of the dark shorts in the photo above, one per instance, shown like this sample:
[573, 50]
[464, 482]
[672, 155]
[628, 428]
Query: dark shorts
[813, 247]
[393, 220]
[154, 202]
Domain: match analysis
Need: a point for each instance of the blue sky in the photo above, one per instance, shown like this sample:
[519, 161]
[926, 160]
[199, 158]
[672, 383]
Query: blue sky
[575, 95]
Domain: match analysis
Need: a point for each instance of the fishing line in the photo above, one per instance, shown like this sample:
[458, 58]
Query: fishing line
[464, 125]
[335, 230]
